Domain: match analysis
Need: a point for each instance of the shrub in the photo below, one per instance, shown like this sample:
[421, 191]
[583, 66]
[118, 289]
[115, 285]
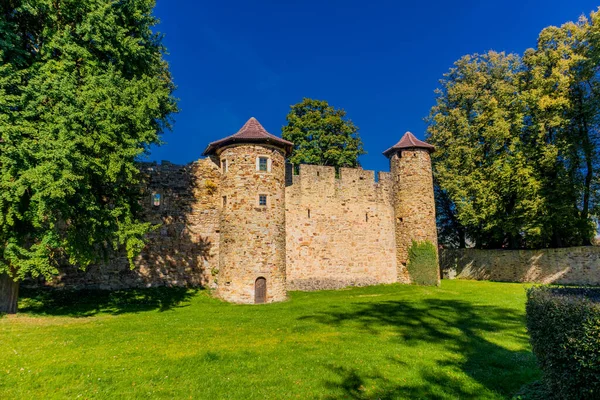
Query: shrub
[423, 263]
[564, 326]
[211, 187]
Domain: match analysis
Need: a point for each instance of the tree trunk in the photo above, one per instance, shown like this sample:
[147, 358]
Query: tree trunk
[462, 239]
[9, 293]
[588, 151]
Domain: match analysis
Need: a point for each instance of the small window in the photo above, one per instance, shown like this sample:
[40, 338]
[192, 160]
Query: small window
[263, 164]
[224, 201]
[262, 199]
[156, 200]
[224, 165]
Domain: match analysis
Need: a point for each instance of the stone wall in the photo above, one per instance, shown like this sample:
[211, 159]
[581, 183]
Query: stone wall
[414, 205]
[318, 231]
[183, 251]
[574, 265]
[252, 235]
[340, 232]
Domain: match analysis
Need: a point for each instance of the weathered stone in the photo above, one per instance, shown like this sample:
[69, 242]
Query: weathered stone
[567, 266]
[253, 236]
[316, 231]
[414, 204]
[340, 232]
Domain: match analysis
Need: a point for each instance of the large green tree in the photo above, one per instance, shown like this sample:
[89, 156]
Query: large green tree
[518, 158]
[322, 135]
[485, 181]
[84, 91]
[563, 94]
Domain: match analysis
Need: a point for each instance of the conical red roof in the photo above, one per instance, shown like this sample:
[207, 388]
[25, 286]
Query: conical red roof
[408, 141]
[251, 132]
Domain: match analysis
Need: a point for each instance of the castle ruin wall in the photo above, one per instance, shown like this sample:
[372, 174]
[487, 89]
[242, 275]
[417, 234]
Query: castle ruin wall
[182, 251]
[339, 231]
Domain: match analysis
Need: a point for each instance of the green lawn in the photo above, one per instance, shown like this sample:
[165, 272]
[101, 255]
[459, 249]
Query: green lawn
[464, 340]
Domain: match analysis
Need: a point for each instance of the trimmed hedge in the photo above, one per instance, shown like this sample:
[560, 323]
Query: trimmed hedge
[422, 264]
[564, 326]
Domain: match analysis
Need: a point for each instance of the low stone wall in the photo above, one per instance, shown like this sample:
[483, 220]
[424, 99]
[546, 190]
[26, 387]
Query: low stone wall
[569, 266]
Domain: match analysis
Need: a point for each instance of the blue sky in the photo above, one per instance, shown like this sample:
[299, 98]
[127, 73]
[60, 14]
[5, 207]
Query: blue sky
[379, 60]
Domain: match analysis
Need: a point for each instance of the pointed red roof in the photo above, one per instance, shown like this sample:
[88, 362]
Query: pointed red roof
[408, 141]
[251, 132]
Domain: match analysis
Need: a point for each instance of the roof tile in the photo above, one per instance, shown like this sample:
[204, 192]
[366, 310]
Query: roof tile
[409, 141]
[252, 132]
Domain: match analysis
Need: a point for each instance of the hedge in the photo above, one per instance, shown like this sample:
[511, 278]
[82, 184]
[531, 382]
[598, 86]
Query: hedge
[564, 326]
[422, 264]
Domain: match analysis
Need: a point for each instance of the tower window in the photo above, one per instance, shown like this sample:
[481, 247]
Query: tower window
[263, 164]
[224, 201]
[262, 199]
[224, 166]
[156, 200]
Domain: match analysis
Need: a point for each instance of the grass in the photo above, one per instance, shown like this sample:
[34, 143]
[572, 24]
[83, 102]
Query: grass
[464, 339]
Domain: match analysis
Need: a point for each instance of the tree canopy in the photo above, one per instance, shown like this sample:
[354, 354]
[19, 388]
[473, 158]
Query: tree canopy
[517, 162]
[322, 135]
[84, 91]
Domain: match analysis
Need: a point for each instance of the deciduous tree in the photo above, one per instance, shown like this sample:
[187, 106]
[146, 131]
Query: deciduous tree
[322, 135]
[480, 163]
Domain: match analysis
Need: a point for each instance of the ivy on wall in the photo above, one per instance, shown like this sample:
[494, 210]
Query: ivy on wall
[423, 264]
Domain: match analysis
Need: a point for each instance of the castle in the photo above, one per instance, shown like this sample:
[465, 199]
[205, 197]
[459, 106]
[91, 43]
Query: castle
[241, 221]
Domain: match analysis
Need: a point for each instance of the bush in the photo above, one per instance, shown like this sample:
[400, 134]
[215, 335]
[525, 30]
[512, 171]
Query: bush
[564, 326]
[423, 264]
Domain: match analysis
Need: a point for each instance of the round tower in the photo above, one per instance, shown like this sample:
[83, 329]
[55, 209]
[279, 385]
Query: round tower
[252, 225]
[414, 204]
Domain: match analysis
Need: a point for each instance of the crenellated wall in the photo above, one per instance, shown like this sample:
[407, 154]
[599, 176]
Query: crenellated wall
[184, 250]
[339, 231]
[318, 231]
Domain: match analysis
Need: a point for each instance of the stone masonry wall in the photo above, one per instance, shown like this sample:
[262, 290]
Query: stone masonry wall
[340, 232]
[569, 266]
[183, 251]
[318, 231]
[414, 203]
[252, 236]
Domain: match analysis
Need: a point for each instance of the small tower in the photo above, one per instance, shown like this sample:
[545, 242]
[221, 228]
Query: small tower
[252, 223]
[414, 204]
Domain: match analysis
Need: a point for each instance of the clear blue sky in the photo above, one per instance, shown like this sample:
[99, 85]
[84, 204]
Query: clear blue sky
[379, 60]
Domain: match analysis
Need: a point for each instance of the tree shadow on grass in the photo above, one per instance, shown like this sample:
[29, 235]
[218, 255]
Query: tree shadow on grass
[459, 327]
[87, 303]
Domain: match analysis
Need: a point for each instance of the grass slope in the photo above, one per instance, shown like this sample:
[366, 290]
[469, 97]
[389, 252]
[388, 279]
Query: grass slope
[464, 339]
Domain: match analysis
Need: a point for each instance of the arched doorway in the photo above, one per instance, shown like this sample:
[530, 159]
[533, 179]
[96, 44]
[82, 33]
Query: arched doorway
[260, 290]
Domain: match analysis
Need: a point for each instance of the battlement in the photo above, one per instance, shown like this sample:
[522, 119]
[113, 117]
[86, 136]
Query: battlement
[319, 180]
[242, 222]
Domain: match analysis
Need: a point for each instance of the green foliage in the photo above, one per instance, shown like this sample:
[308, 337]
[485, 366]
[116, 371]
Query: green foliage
[422, 264]
[564, 325]
[465, 340]
[84, 91]
[322, 135]
[518, 150]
